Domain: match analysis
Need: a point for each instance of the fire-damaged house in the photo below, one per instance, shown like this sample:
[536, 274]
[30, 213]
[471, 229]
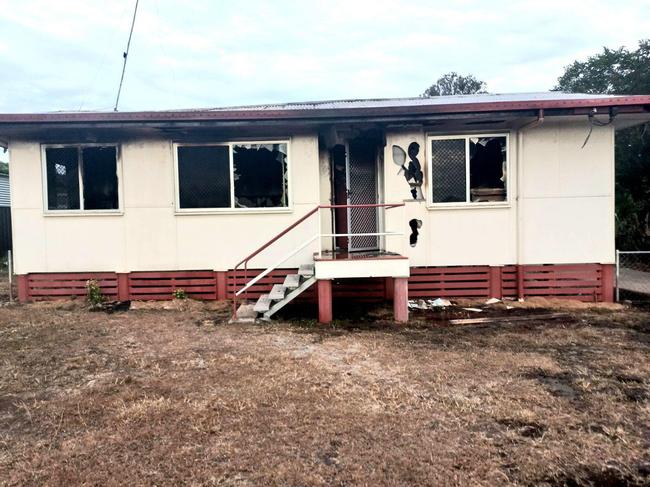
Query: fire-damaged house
[505, 196]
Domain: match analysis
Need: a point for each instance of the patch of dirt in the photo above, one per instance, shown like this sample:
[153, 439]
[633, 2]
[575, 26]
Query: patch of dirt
[169, 393]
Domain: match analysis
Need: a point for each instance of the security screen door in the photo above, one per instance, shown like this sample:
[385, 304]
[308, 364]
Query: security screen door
[361, 179]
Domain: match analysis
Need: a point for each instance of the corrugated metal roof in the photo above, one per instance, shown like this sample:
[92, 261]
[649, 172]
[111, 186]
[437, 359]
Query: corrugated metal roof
[318, 110]
[5, 199]
[418, 101]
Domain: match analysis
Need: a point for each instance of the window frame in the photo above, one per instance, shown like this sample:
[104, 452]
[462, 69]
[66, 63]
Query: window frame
[82, 211]
[232, 209]
[467, 204]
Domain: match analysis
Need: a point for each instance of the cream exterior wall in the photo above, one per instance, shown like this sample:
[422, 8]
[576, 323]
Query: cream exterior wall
[149, 234]
[563, 213]
[560, 208]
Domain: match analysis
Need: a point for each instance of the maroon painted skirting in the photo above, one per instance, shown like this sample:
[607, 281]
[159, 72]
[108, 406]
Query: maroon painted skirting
[586, 282]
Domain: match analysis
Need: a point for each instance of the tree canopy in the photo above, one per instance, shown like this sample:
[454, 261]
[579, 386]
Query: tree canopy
[455, 84]
[624, 72]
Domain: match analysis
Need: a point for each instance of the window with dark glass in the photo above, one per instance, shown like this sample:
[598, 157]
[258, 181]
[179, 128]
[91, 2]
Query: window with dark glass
[237, 175]
[469, 169]
[204, 176]
[81, 178]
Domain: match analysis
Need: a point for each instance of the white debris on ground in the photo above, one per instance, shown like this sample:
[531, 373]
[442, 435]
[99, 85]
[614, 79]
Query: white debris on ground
[429, 303]
[444, 303]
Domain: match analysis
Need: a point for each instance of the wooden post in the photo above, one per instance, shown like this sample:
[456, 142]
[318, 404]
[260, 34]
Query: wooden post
[123, 287]
[496, 283]
[607, 283]
[222, 285]
[324, 301]
[23, 288]
[401, 299]
[520, 281]
[389, 289]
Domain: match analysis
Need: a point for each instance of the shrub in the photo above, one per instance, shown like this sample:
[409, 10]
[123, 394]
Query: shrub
[94, 292]
[179, 294]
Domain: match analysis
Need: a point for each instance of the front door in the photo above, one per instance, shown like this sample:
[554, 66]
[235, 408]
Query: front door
[356, 185]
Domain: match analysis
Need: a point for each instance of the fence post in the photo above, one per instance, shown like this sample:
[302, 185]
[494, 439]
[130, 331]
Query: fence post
[10, 272]
[618, 273]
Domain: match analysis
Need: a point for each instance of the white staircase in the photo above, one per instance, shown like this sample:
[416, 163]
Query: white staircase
[281, 294]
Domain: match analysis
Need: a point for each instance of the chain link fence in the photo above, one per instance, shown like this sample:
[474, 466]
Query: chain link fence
[633, 275]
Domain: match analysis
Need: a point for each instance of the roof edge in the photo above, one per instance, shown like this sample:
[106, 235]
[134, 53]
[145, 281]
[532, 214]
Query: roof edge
[642, 102]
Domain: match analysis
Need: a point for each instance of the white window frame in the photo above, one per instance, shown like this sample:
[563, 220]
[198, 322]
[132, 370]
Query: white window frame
[467, 203]
[82, 211]
[232, 209]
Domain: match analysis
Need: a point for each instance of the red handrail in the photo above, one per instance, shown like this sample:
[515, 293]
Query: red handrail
[246, 259]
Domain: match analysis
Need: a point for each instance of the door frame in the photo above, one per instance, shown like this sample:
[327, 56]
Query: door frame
[378, 187]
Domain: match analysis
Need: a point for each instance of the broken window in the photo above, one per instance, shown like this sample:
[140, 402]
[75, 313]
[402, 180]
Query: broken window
[204, 176]
[237, 175]
[260, 175]
[81, 178]
[99, 176]
[469, 169]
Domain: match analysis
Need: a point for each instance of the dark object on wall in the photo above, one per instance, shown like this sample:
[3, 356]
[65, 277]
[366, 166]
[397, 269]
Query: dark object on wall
[5, 229]
[415, 225]
[413, 172]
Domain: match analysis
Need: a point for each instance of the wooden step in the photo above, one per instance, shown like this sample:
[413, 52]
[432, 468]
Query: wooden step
[306, 270]
[292, 281]
[263, 304]
[277, 293]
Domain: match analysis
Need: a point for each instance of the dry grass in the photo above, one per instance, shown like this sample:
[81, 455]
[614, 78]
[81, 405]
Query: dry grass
[177, 396]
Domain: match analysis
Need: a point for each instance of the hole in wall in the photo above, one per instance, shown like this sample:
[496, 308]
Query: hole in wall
[415, 225]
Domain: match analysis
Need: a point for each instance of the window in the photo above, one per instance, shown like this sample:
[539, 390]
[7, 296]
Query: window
[204, 177]
[469, 169]
[81, 178]
[235, 175]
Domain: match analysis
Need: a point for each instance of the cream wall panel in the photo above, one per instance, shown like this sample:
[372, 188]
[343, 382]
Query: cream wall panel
[567, 200]
[76, 244]
[29, 241]
[586, 171]
[568, 230]
[150, 239]
[26, 175]
[304, 169]
[148, 174]
[221, 241]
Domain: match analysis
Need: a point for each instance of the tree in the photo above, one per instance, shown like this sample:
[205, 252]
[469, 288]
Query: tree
[624, 72]
[455, 84]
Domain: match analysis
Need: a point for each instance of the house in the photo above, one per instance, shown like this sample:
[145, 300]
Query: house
[505, 196]
[5, 215]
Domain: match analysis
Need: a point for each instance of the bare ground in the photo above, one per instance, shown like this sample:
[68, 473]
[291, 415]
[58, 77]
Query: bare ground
[178, 396]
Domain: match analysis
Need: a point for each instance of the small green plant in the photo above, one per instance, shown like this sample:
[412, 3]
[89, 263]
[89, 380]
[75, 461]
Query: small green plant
[94, 292]
[180, 294]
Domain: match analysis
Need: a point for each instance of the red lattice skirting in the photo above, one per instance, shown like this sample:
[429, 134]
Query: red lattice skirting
[586, 282]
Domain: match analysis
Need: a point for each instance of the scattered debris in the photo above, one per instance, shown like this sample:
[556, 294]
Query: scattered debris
[429, 303]
[475, 310]
[496, 319]
[493, 301]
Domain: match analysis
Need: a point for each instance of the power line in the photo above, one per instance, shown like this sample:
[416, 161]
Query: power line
[126, 55]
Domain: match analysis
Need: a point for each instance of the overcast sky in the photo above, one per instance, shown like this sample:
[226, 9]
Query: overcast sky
[197, 53]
